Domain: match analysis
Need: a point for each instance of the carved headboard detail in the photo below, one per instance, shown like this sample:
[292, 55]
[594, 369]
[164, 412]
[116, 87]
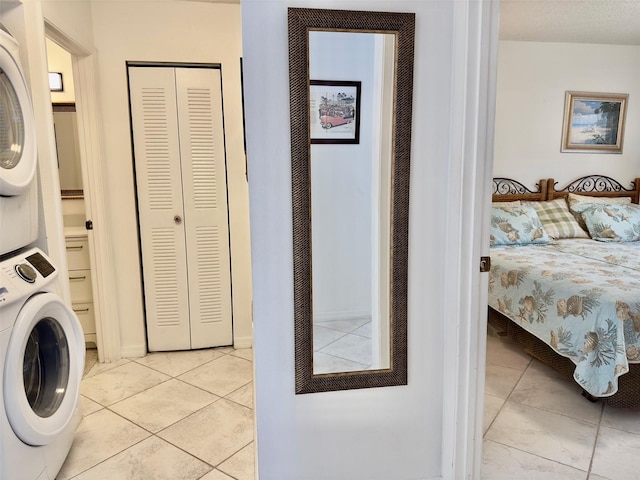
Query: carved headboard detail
[596, 186]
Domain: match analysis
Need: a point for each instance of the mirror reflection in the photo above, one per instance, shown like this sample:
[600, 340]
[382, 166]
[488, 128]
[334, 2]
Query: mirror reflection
[68, 149]
[350, 182]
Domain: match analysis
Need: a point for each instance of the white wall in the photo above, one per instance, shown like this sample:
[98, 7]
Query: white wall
[341, 185]
[532, 80]
[167, 32]
[382, 433]
[59, 60]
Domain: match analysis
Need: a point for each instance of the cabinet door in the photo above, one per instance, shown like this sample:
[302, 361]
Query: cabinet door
[159, 185]
[182, 197]
[204, 187]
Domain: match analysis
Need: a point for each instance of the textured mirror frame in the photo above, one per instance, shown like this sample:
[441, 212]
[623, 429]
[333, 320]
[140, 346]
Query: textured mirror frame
[301, 20]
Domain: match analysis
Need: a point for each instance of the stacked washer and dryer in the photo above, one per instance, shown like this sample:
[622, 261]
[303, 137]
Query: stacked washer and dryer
[41, 340]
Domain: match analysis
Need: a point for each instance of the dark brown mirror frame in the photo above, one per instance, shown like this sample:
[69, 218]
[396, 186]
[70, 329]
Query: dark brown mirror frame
[301, 20]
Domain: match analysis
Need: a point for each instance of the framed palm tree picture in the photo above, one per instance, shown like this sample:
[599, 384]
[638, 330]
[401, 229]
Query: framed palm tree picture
[594, 122]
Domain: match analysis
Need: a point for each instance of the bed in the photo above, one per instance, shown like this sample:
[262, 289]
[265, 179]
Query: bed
[565, 279]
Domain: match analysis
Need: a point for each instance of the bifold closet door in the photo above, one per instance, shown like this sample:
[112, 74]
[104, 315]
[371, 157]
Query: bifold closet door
[182, 203]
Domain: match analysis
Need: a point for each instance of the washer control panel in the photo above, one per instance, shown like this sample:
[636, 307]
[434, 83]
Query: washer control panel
[23, 274]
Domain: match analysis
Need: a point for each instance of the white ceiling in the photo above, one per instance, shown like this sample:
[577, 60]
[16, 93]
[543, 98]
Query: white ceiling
[575, 21]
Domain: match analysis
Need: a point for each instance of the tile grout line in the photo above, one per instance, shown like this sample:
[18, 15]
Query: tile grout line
[595, 442]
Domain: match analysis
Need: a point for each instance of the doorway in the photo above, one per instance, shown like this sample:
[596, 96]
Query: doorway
[72, 190]
[179, 156]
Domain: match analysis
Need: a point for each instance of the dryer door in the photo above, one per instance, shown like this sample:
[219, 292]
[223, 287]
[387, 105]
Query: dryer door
[43, 369]
[17, 128]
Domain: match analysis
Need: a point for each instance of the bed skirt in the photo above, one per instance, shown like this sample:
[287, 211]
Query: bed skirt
[628, 394]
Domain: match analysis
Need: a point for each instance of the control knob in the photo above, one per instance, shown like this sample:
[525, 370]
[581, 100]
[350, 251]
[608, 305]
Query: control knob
[26, 272]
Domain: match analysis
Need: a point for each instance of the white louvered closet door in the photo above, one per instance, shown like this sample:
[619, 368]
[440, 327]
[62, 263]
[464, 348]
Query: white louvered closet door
[182, 201]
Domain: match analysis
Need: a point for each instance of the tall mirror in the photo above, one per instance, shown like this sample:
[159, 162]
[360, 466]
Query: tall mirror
[351, 81]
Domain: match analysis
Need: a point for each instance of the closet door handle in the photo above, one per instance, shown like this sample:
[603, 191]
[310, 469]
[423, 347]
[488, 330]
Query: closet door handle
[177, 219]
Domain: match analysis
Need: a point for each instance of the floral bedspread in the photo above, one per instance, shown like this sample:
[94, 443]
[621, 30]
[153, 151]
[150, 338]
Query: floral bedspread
[581, 297]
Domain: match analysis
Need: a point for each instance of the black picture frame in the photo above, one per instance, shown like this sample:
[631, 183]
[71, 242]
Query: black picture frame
[334, 111]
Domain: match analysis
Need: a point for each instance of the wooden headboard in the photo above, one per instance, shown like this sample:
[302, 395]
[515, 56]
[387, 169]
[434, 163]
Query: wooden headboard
[507, 190]
[595, 186]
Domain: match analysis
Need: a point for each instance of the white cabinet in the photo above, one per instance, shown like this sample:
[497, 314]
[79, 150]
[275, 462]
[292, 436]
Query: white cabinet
[80, 284]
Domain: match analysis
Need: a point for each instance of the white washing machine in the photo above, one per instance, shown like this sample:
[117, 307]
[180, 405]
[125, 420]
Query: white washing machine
[42, 361]
[18, 152]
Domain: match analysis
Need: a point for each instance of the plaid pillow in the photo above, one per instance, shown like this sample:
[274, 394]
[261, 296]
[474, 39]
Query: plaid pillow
[557, 220]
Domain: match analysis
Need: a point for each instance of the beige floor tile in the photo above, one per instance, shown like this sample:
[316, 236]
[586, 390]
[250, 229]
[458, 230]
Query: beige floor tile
[364, 330]
[351, 347]
[323, 363]
[246, 353]
[243, 396]
[90, 360]
[499, 380]
[492, 406]
[346, 326]
[616, 455]
[214, 433]
[99, 368]
[593, 476]
[88, 406]
[241, 465]
[546, 434]
[506, 353]
[177, 363]
[152, 458]
[627, 419]
[323, 336]
[221, 376]
[538, 367]
[119, 383]
[216, 475]
[163, 405]
[500, 462]
[556, 395]
[100, 436]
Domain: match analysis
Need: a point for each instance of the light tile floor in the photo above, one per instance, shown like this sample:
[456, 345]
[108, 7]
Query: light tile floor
[189, 415]
[537, 425]
[342, 345]
[174, 416]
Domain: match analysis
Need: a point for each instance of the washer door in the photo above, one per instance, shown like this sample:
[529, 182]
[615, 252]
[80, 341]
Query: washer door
[17, 129]
[43, 369]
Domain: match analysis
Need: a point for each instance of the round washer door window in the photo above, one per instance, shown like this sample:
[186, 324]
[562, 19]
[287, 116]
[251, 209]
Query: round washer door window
[18, 152]
[11, 124]
[46, 367]
[43, 369]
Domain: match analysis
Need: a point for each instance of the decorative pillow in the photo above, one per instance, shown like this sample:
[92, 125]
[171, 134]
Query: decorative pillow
[516, 226]
[613, 223]
[579, 203]
[515, 203]
[557, 220]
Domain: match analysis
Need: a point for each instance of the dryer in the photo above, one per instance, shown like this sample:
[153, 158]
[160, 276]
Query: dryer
[18, 152]
[42, 361]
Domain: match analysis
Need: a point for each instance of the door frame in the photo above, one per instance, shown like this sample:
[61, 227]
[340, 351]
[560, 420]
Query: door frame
[90, 141]
[475, 49]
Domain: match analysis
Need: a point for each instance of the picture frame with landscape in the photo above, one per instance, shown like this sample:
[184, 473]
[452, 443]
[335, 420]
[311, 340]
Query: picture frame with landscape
[594, 122]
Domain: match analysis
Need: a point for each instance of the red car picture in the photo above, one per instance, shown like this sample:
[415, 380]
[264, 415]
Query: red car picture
[335, 111]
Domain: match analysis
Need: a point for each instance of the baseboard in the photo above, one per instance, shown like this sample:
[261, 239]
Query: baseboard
[343, 315]
[243, 342]
[133, 351]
